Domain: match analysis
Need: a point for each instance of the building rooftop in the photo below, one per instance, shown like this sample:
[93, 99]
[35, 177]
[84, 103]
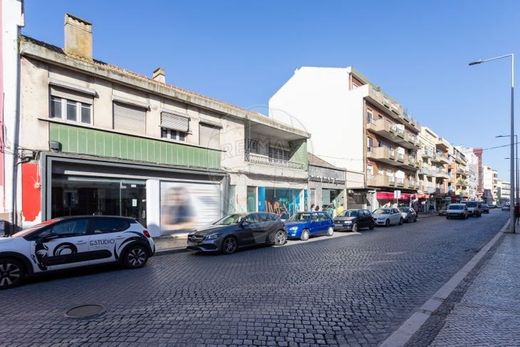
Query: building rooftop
[47, 52]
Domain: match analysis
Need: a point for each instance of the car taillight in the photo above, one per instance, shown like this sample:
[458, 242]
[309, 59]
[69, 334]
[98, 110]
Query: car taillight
[146, 233]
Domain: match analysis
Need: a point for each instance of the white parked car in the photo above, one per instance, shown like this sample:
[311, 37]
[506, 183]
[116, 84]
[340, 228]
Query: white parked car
[71, 242]
[387, 216]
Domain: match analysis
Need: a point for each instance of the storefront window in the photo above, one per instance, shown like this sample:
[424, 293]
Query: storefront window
[280, 200]
[78, 195]
[251, 199]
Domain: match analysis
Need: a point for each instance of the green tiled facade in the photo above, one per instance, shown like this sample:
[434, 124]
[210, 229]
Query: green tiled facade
[112, 145]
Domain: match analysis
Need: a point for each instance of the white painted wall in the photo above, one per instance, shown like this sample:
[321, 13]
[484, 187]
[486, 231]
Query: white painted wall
[319, 98]
[12, 21]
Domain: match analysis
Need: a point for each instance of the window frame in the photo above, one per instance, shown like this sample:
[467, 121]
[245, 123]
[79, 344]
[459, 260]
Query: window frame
[64, 110]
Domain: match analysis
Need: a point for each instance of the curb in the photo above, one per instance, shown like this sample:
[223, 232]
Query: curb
[404, 333]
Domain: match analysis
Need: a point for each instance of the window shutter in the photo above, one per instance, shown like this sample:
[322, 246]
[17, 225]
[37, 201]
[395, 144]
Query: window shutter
[175, 122]
[71, 95]
[129, 118]
[209, 136]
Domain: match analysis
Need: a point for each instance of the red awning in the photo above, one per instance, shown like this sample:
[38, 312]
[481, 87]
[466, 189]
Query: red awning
[385, 195]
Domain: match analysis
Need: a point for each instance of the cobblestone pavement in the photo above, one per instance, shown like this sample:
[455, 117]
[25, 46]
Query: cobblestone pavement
[489, 312]
[343, 291]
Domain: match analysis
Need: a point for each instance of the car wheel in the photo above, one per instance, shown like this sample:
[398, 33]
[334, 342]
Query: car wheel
[400, 221]
[415, 219]
[11, 273]
[371, 227]
[305, 235]
[355, 227]
[447, 217]
[229, 245]
[135, 257]
[280, 238]
[387, 223]
[330, 231]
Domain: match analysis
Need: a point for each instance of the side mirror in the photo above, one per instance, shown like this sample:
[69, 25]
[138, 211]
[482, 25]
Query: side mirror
[244, 224]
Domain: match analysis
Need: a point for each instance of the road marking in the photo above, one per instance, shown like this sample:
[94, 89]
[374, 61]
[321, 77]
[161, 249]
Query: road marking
[404, 333]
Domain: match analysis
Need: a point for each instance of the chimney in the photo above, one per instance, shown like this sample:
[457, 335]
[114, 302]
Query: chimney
[159, 75]
[78, 37]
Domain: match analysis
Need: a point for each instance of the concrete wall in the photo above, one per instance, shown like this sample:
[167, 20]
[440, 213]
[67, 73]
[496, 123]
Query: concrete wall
[319, 98]
[12, 19]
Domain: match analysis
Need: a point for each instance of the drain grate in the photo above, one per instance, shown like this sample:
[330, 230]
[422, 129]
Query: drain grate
[85, 311]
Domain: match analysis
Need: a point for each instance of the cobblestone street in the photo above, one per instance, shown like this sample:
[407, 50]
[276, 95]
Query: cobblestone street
[352, 290]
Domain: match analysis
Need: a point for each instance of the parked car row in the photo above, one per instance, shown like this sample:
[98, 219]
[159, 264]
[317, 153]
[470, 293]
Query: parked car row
[464, 210]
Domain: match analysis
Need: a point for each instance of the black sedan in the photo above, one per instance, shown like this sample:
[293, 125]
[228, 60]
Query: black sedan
[353, 220]
[237, 231]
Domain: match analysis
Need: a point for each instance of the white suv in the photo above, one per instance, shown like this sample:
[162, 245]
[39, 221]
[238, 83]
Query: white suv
[70, 242]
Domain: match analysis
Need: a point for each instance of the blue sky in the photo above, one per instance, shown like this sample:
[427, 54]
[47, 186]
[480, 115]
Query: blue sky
[243, 51]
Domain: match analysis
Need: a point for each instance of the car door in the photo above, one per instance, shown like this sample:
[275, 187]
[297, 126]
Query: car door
[325, 222]
[245, 230]
[314, 224]
[262, 228]
[362, 219]
[396, 216]
[61, 245]
[107, 237]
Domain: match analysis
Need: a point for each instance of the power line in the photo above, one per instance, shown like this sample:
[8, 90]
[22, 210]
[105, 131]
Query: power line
[495, 147]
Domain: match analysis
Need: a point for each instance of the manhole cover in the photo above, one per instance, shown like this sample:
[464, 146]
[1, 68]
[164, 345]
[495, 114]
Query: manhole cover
[85, 311]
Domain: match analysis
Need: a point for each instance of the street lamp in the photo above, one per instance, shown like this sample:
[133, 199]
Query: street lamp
[512, 135]
[517, 182]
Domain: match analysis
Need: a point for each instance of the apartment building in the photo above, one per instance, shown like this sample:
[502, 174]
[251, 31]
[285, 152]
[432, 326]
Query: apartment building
[326, 183]
[458, 172]
[98, 139]
[504, 191]
[357, 126]
[490, 184]
[473, 163]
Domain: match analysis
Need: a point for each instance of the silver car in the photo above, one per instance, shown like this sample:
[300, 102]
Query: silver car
[387, 216]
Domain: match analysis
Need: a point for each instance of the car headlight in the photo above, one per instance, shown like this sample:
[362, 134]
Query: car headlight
[212, 236]
[293, 228]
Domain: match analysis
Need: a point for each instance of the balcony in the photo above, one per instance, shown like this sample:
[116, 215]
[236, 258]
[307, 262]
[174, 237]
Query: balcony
[381, 181]
[394, 132]
[394, 108]
[441, 190]
[440, 158]
[383, 154]
[426, 172]
[442, 144]
[263, 159]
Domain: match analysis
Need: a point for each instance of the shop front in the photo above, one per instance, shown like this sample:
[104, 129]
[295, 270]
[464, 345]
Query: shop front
[275, 200]
[167, 201]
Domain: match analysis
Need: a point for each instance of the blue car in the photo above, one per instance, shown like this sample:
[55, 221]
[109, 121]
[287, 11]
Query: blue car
[303, 225]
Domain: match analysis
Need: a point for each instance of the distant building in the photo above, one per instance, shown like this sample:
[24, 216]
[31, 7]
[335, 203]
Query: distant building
[504, 191]
[357, 126]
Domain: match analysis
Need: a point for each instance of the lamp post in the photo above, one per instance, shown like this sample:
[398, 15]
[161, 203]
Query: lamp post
[515, 198]
[512, 135]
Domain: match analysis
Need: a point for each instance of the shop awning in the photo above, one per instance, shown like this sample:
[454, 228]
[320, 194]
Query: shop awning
[385, 195]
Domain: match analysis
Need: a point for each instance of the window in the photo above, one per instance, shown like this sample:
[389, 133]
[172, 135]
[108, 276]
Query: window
[71, 110]
[209, 135]
[251, 199]
[370, 170]
[109, 225]
[129, 118]
[278, 154]
[370, 117]
[252, 218]
[173, 134]
[71, 228]
[370, 143]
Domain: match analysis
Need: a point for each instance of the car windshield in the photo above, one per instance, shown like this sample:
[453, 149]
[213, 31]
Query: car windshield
[383, 211]
[404, 209]
[30, 230]
[471, 204]
[231, 219]
[351, 213]
[300, 217]
[455, 207]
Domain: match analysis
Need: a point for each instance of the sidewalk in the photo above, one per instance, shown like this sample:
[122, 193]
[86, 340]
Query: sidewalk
[170, 243]
[488, 314]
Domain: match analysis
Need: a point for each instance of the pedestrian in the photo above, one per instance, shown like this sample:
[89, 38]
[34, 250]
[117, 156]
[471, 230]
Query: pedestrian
[312, 208]
[317, 208]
